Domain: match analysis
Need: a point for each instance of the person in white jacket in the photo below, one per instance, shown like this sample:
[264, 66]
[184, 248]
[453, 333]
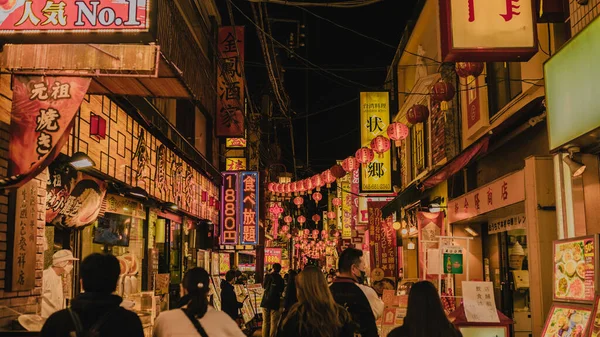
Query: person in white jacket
[53, 298]
[196, 317]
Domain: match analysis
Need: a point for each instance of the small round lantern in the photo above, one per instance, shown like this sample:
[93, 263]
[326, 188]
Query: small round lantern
[294, 188]
[300, 187]
[418, 113]
[317, 196]
[280, 189]
[317, 181]
[271, 187]
[306, 232]
[331, 215]
[315, 233]
[298, 201]
[443, 92]
[301, 219]
[288, 236]
[288, 189]
[365, 155]
[308, 184]
[285, 228]
[350, 164]
[381, 145]
[324, 233]
[328, 178]
[288, 219]
[338, 171]
[336, 202]
[469, 70]
[397, 132]
[316, 218]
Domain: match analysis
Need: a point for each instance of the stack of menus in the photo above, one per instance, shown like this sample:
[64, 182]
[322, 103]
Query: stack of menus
[574, 312]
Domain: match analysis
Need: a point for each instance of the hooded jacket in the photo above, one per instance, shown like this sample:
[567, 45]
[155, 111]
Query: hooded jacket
[90, 307]
[349, 294]
[229, 302]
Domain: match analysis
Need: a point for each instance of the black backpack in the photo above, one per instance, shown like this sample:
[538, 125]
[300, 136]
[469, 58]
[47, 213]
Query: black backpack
[94, 330]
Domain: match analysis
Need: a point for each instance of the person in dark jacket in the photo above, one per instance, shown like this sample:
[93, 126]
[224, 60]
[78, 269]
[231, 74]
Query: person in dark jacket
[96, 309]
[425, 316]
[290, 297]
[271, 301]
[229, 302]
[348, 290]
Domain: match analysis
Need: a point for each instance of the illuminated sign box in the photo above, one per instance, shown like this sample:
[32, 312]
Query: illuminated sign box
[28, 21]
[488, 30]
[229, 216]
[248, 199]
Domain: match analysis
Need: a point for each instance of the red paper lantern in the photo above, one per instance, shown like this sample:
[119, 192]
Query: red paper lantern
[280, 189]
[288, 189]
[338, 171]
[328, 178]
[350, 164]
[418, 113]
[442, 91]
[397, 132]
[317, 182]
[466, 69]
[380, 144]
[324, 233]
[288, 236]
[288, 219]
[285, 228]
[271, 187]
[331, 215]
[308, 184]
[300, 186]
[316, 218]
[317, 196]
[336, 202]
[298, 201]
[294, 187]
[302, 219]
[365, 155]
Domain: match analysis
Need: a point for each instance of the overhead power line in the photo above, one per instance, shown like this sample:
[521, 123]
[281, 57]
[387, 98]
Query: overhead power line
[333, 4]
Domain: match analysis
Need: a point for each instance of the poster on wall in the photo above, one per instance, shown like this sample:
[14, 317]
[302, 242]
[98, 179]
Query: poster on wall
[249, 208]
[41, 118]
[566, 320]
[575, 268]
[230, 83]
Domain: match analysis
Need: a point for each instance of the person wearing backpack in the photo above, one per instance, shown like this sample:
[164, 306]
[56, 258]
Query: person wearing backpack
[95, 312]
[196, 317]
[271, 301]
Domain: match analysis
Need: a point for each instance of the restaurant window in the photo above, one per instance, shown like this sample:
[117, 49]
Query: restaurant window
[504, 84]
[418, 148]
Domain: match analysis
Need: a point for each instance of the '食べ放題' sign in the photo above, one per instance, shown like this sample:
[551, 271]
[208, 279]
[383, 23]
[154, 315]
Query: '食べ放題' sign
[249, 208]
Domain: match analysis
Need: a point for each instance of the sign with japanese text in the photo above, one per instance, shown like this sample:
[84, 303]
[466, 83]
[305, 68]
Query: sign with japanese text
[235, 143]
[249, 188]
[235, 164]
[24, 17]
[374, 121]
[80, 206]
[363, 211]
[124, 206]
[430, 228]
[488, 30]
[506, 224]
[502, 192]
[346, 207]
[24, 238]
[42, 115]
[479, 302]
[272, 256]
[382, 240]
[355, 189]
[229, 209]
[230, 83]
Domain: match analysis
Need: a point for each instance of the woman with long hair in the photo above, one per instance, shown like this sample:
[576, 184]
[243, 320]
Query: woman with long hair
[290, 296]
[196, 316]
[425, 316]
[316, 314]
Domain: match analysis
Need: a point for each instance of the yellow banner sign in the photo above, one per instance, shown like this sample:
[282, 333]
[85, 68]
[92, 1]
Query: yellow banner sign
[346, 208]
[374, 121]
[232, 143]
[235, 164]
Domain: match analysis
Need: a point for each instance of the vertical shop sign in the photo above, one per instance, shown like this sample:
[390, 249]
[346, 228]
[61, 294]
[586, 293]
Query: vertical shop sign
[235, 164]
[235, 143]
[346, 208]
[382, 239]
[249, 208]
[230, 82]
[430, 227]
[42, 115]
[355, 189]
[374, 120]
[24, 241]
[229, 232]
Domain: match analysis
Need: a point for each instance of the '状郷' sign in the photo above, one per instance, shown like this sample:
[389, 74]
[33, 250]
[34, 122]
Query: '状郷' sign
[19, 17]
[488, 30]
[229, 218]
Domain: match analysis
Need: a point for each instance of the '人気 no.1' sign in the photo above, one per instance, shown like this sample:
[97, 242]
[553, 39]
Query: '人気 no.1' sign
[488, 30]
[18, 17]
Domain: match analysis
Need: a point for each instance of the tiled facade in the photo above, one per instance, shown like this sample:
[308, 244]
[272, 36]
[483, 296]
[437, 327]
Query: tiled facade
[582, 15]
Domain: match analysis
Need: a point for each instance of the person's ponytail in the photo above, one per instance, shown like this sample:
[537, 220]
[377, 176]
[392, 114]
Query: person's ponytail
[196, 282]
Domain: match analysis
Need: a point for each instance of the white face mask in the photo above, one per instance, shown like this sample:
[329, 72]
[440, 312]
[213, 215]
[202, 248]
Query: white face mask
[68, 268]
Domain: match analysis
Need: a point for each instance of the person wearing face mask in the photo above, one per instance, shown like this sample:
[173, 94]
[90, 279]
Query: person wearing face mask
[349, 291]
[52, 288]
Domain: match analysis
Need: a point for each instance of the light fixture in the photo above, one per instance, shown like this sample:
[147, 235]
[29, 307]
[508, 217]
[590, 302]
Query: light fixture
[575, 166]
[411, 245]
[404, 232]
[81, 160]
[171, 206]
[471, 231]
[434, 208]
[138, 192]
[396, 225]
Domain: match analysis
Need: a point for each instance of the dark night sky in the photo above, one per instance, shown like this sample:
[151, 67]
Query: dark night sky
[332, 134]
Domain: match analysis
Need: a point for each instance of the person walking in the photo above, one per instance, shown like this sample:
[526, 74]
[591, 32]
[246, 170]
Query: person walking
[290, 296]
[196, 317]
[96, 312]
[316, 314]
[348, 290]
[229, 302]
[271, 301]
[425, 316]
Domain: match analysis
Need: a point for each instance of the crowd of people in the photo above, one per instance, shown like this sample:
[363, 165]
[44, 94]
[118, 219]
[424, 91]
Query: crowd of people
[308, 303]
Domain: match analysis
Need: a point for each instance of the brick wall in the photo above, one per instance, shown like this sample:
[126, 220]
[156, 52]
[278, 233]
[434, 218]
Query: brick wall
[22, 301]
[582, 15]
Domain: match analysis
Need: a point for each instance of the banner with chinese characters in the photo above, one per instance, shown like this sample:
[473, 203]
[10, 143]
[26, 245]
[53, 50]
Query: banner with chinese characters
[24, 238]
[235, 143]
[430, 227]
[272, 256]
[229, 209]
[382, 239]
[490, 30]
[235, 164]
[249, 208]
[41, 119]
[230, 83]
[374, 121]
[354, 196]
[346, 207]
[19, 17]
[502, 192]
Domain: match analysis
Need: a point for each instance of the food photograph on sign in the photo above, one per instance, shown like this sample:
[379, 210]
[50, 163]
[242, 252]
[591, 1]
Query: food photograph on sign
[574, 269]
[567, 321]
[595, 321]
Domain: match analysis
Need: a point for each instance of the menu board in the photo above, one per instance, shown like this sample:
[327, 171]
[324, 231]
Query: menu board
[595, 321]
[575, 269]
[567, 320]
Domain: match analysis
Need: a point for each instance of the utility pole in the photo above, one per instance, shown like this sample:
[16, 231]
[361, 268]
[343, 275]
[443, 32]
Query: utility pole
[304, 43]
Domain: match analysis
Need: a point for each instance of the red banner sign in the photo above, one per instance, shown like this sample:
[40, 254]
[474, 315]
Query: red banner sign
[249, 208]
[229, 194]
[272, 255]
[41, 119]
[18, 16]
[382, 238]
[230, 83]
[431, 227]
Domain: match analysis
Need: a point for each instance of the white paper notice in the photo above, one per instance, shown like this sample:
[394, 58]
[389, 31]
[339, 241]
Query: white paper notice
[433, 261]
[479, 302]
